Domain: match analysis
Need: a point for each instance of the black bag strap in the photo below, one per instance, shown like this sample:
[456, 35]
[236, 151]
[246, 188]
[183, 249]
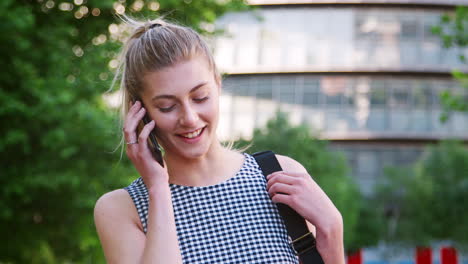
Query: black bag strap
[303, 241]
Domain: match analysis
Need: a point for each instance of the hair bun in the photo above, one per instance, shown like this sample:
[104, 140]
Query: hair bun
[155, 25]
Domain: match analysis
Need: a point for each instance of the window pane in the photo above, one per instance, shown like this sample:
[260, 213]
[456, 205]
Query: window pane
[420, 120]
[287, 86]
[378, 93]
[421, 95]
[399, 120]
[377, 120]
[333, 90]
[400, 94]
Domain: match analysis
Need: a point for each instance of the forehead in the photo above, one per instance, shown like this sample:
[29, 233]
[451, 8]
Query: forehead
[181, 77]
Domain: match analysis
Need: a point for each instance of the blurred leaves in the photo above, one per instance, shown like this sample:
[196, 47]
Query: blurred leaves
[453, 31]
[57, 135]
[427, 201]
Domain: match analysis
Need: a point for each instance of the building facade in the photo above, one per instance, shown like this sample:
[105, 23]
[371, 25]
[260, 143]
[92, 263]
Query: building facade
[365, 75]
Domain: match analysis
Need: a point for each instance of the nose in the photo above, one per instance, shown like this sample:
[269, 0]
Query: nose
[189, 117]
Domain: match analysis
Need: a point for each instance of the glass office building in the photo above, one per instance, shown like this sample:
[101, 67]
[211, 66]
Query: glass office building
[365, 75]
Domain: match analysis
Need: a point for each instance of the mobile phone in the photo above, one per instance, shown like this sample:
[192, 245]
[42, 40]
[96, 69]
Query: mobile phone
[153, 143]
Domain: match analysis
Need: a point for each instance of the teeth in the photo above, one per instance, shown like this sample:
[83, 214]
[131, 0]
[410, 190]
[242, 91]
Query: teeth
[193, 134]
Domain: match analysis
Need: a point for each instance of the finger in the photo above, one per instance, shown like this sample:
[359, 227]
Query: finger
[281, 188]
[291, 173]
[282, 178]
[143, 137]
[281, 198]
[131, 125]
[273, 174]
[139, 115]
[136, 117]
[132, 151]
[131, 145]
[299, 174]
[134, 108]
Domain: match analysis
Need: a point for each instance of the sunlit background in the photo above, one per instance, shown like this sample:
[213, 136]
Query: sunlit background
[365, 75]
[369, 95]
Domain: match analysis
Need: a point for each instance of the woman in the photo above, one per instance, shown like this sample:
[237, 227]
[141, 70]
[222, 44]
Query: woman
[209, 203]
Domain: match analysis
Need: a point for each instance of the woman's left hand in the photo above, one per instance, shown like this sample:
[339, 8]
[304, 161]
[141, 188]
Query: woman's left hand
[300, 192]
[295, 187]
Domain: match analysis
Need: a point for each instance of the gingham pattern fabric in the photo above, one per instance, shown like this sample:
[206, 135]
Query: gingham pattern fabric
[231, 222]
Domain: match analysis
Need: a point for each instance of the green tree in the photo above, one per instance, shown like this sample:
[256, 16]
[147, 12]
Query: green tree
[329, 169]
[427, 202]
[453, 30]
[56, 133]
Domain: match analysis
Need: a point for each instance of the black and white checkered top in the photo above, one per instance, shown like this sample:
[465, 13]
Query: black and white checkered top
[231, 222]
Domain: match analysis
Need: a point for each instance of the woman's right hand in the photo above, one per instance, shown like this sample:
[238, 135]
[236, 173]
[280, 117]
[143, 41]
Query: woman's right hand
[137, 150]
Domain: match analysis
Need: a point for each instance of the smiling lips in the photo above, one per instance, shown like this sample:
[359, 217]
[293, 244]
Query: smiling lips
[193, 134]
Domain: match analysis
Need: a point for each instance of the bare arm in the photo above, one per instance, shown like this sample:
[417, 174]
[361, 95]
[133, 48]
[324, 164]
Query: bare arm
[121, 239]
[294, 187]
[161, 243]
[124, 241]
[329, 242]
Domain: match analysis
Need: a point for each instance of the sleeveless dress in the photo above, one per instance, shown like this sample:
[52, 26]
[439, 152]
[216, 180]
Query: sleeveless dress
[234, 221]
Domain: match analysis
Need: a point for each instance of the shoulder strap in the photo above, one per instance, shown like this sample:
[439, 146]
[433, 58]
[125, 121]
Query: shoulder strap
[302, 240]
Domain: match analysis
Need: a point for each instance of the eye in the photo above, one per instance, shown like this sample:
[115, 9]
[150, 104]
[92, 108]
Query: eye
[166, 109]
[199, 100]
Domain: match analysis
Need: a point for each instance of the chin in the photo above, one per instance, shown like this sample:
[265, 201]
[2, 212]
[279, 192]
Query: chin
[193, 153]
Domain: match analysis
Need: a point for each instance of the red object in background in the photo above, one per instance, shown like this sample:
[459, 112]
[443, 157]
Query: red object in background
[423, 255]
[355, 257]
[448, 255]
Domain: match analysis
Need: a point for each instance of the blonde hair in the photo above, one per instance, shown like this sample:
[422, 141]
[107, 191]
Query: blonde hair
[154, 45]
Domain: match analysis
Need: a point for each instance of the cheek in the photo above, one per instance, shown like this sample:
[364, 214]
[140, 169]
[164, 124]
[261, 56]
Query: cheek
[164, 129]
[212, 110]
[164, 122]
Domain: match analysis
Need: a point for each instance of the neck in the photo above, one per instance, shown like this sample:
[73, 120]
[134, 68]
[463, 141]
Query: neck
[201, 171]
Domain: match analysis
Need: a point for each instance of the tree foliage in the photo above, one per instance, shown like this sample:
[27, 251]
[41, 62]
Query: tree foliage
[56, 133]
[453, 31]
[329, 169]
[427, 202]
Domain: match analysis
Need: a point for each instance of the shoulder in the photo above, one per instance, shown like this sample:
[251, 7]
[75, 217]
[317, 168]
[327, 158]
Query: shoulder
[115, 205]
[110, 201]
[118, 228]
[289, 164]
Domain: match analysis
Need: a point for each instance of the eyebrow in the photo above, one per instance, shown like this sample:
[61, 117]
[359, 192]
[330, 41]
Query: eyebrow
[168, 96]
